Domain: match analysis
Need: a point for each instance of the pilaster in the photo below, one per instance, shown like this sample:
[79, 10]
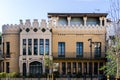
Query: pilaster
[69, 18]
[100, 21]
[104, 21]
[27, 64]
[85, 20]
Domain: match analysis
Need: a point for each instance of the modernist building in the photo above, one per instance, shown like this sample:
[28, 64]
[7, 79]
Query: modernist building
[24, 47]
[75, 40]
[78, 42]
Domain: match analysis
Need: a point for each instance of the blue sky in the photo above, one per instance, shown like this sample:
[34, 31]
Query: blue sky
[11, 11]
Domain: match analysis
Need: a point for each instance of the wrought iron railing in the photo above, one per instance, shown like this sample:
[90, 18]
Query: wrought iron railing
[74, 55]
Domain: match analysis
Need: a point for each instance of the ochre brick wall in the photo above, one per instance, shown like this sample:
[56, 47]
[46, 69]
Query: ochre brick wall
[70, 40]
[14, 52]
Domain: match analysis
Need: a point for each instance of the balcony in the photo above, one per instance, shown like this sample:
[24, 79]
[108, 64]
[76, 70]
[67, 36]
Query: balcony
[84, 56]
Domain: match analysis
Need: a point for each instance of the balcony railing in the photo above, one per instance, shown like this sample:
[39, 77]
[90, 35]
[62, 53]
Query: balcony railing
[74, 55]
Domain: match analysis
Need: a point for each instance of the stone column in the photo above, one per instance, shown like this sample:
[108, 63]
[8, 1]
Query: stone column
[85, 20]
[76, 67]
[69, 18]
[21, 67]
[60, 67]
[27, 65]
[72, 69]
[43, 66]
[100, 21]
[104, 21]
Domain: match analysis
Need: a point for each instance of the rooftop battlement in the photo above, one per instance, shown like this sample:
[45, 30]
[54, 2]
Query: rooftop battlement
[15, 28]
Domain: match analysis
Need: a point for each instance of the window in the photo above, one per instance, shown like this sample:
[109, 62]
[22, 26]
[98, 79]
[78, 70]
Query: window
[92, 21]
[85, 67]
[90, 67]
[79, 67]
[35, 46]
[7, 49]
[97, 49]
[63, 68]
[100, 71]
[24, 69]
[74, 67]
[69, 67]
[24, 46]
[7, 67]
[96, 68]
[29, 46]
[41, 47]
[61, 49]
[47, 47]
[79, 49]
[62, 21]
[76, 21]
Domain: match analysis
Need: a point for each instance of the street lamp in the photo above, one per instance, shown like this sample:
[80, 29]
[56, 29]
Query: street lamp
[90, 40]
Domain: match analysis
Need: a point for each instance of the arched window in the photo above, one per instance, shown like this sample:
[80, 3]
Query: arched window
[35, 69]
[24, 69]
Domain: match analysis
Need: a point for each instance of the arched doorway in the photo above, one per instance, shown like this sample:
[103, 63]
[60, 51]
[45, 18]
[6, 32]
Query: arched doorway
[35, 69]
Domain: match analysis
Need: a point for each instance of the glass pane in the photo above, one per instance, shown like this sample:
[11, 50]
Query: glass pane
[41, 50]
[47, 47]
[61, 48]
[29, 46]
[24, 47]
[35, 46]
[79, 48]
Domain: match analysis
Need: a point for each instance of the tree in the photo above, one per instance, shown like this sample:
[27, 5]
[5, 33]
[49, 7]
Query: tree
[48, 61]
[113, 51]
[113, 59]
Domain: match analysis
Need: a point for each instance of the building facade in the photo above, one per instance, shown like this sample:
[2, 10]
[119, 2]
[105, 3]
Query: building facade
[77, 42]
[24, 47]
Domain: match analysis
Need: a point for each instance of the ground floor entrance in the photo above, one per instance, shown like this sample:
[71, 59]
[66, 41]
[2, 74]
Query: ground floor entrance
[35, 69]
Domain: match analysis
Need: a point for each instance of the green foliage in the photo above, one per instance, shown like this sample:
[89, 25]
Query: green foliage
[48, 61]
[112, 56]
[8, 75]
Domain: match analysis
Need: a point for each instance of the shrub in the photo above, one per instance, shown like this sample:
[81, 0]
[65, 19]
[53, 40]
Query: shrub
[11, 75]
[2, 75]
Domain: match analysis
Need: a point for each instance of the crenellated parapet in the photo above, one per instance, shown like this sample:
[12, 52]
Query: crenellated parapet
[10, 28]
[34, 27]
[26, 26]
[35, 23]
